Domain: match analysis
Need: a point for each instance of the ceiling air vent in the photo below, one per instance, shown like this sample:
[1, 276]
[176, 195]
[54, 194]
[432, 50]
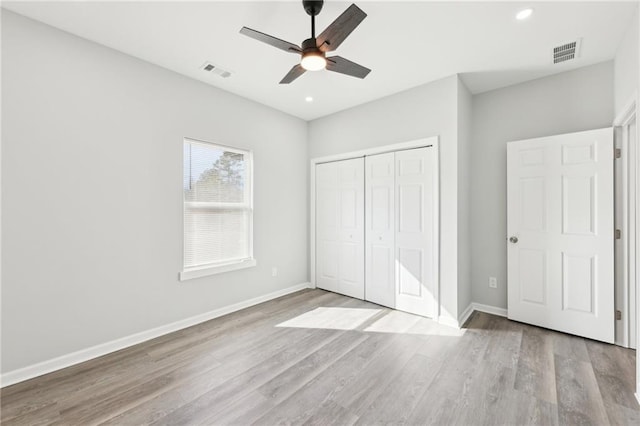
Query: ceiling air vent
[566, 52]
[215, 70]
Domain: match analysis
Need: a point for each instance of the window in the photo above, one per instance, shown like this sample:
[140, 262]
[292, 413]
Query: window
[218, 212]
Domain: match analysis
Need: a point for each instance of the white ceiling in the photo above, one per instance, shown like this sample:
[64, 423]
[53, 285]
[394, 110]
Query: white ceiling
[406, 44]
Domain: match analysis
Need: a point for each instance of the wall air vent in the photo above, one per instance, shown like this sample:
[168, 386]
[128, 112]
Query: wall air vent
[215, 70]
[566, 52]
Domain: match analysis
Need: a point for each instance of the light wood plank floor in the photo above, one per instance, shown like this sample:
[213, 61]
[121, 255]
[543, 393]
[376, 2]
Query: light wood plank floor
[315, 357]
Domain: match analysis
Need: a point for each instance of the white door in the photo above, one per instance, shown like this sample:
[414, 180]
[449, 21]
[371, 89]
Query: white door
[560, 229]
[416, 245]
[340, 227]
[380, 285]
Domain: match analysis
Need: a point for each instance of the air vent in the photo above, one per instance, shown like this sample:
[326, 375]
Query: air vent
[566, 52]
[215, 70]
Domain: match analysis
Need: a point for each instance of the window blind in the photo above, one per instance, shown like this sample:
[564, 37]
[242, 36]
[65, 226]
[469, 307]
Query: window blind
[217, 205]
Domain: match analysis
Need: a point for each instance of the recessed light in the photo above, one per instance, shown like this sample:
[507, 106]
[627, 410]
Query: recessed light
[524, 14]
[308, 99]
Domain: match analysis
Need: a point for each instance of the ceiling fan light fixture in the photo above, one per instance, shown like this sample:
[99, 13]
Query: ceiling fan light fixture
[313, 61]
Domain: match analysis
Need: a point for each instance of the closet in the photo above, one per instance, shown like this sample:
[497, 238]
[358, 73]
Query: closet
[376, 228]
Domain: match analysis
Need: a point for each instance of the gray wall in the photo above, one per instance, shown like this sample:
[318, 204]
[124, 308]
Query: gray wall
[626, 65]
[567, 102]
[92, 193]
[428, 110]
[464, 196]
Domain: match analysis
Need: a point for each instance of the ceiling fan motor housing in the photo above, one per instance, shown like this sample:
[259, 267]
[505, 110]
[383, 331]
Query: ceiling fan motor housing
[312, 7]
[309, 47]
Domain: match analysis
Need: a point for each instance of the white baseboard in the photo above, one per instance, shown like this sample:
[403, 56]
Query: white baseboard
[489, 309]
[96, 351]
[637, 397]
[465, 315]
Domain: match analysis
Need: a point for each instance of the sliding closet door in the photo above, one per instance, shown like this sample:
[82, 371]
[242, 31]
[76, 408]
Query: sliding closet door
[416, 231]
[380, 229]
[340, 227]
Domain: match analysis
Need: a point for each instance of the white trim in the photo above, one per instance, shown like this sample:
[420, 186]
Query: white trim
[626, 283]
[218, 145]
[435, 143]
[637, 397]
[418, 143]
[628, 111]
[189, 274]
[464, 316]
[621, 252]
[489, 309]
[87, 354]
[312, 223]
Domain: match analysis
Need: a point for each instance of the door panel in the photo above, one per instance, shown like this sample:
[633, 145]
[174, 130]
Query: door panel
[340, 227]
[533, 209]
[329, 262]
[348, 263]
[381, 213]
[410, 206]
[560, 209]
[578, 205]
[416, 231]
[533, 272]
[410, 272]
[348, 209]
[578, 283]
[380, 234]
[327, 226]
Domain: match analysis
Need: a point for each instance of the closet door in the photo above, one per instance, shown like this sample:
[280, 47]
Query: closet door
[340, 227]
[416, 231]
[380, 283]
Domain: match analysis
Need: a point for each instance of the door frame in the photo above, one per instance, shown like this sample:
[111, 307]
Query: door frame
[630, 226]
[432, 141]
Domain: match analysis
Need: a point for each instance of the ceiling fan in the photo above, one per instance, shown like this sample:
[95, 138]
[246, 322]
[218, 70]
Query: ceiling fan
[313, 50]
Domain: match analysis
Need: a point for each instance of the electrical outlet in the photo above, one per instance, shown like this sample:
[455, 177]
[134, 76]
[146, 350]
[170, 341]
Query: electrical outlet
[274, 272]
[493, 282]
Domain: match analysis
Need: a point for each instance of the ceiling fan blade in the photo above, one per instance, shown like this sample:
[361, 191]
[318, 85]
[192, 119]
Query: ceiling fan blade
[273, 41]
[345, 66]
[339, 29]
[294, 73]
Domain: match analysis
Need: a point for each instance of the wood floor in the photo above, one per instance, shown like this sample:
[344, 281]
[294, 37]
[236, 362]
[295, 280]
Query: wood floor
[361, 364]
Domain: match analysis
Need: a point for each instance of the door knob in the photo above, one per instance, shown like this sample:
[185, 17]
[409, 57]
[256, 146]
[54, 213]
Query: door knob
[513, 240]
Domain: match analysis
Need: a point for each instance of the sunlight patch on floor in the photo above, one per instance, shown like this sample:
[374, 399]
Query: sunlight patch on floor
[331, 318]
[394, 322]
[404, 323]
[352, 318]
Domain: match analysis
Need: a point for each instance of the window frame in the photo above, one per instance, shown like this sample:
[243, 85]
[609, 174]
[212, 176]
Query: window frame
[198, 271]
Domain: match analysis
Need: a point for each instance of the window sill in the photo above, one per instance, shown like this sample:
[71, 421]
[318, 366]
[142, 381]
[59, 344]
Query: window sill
[218, 269]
